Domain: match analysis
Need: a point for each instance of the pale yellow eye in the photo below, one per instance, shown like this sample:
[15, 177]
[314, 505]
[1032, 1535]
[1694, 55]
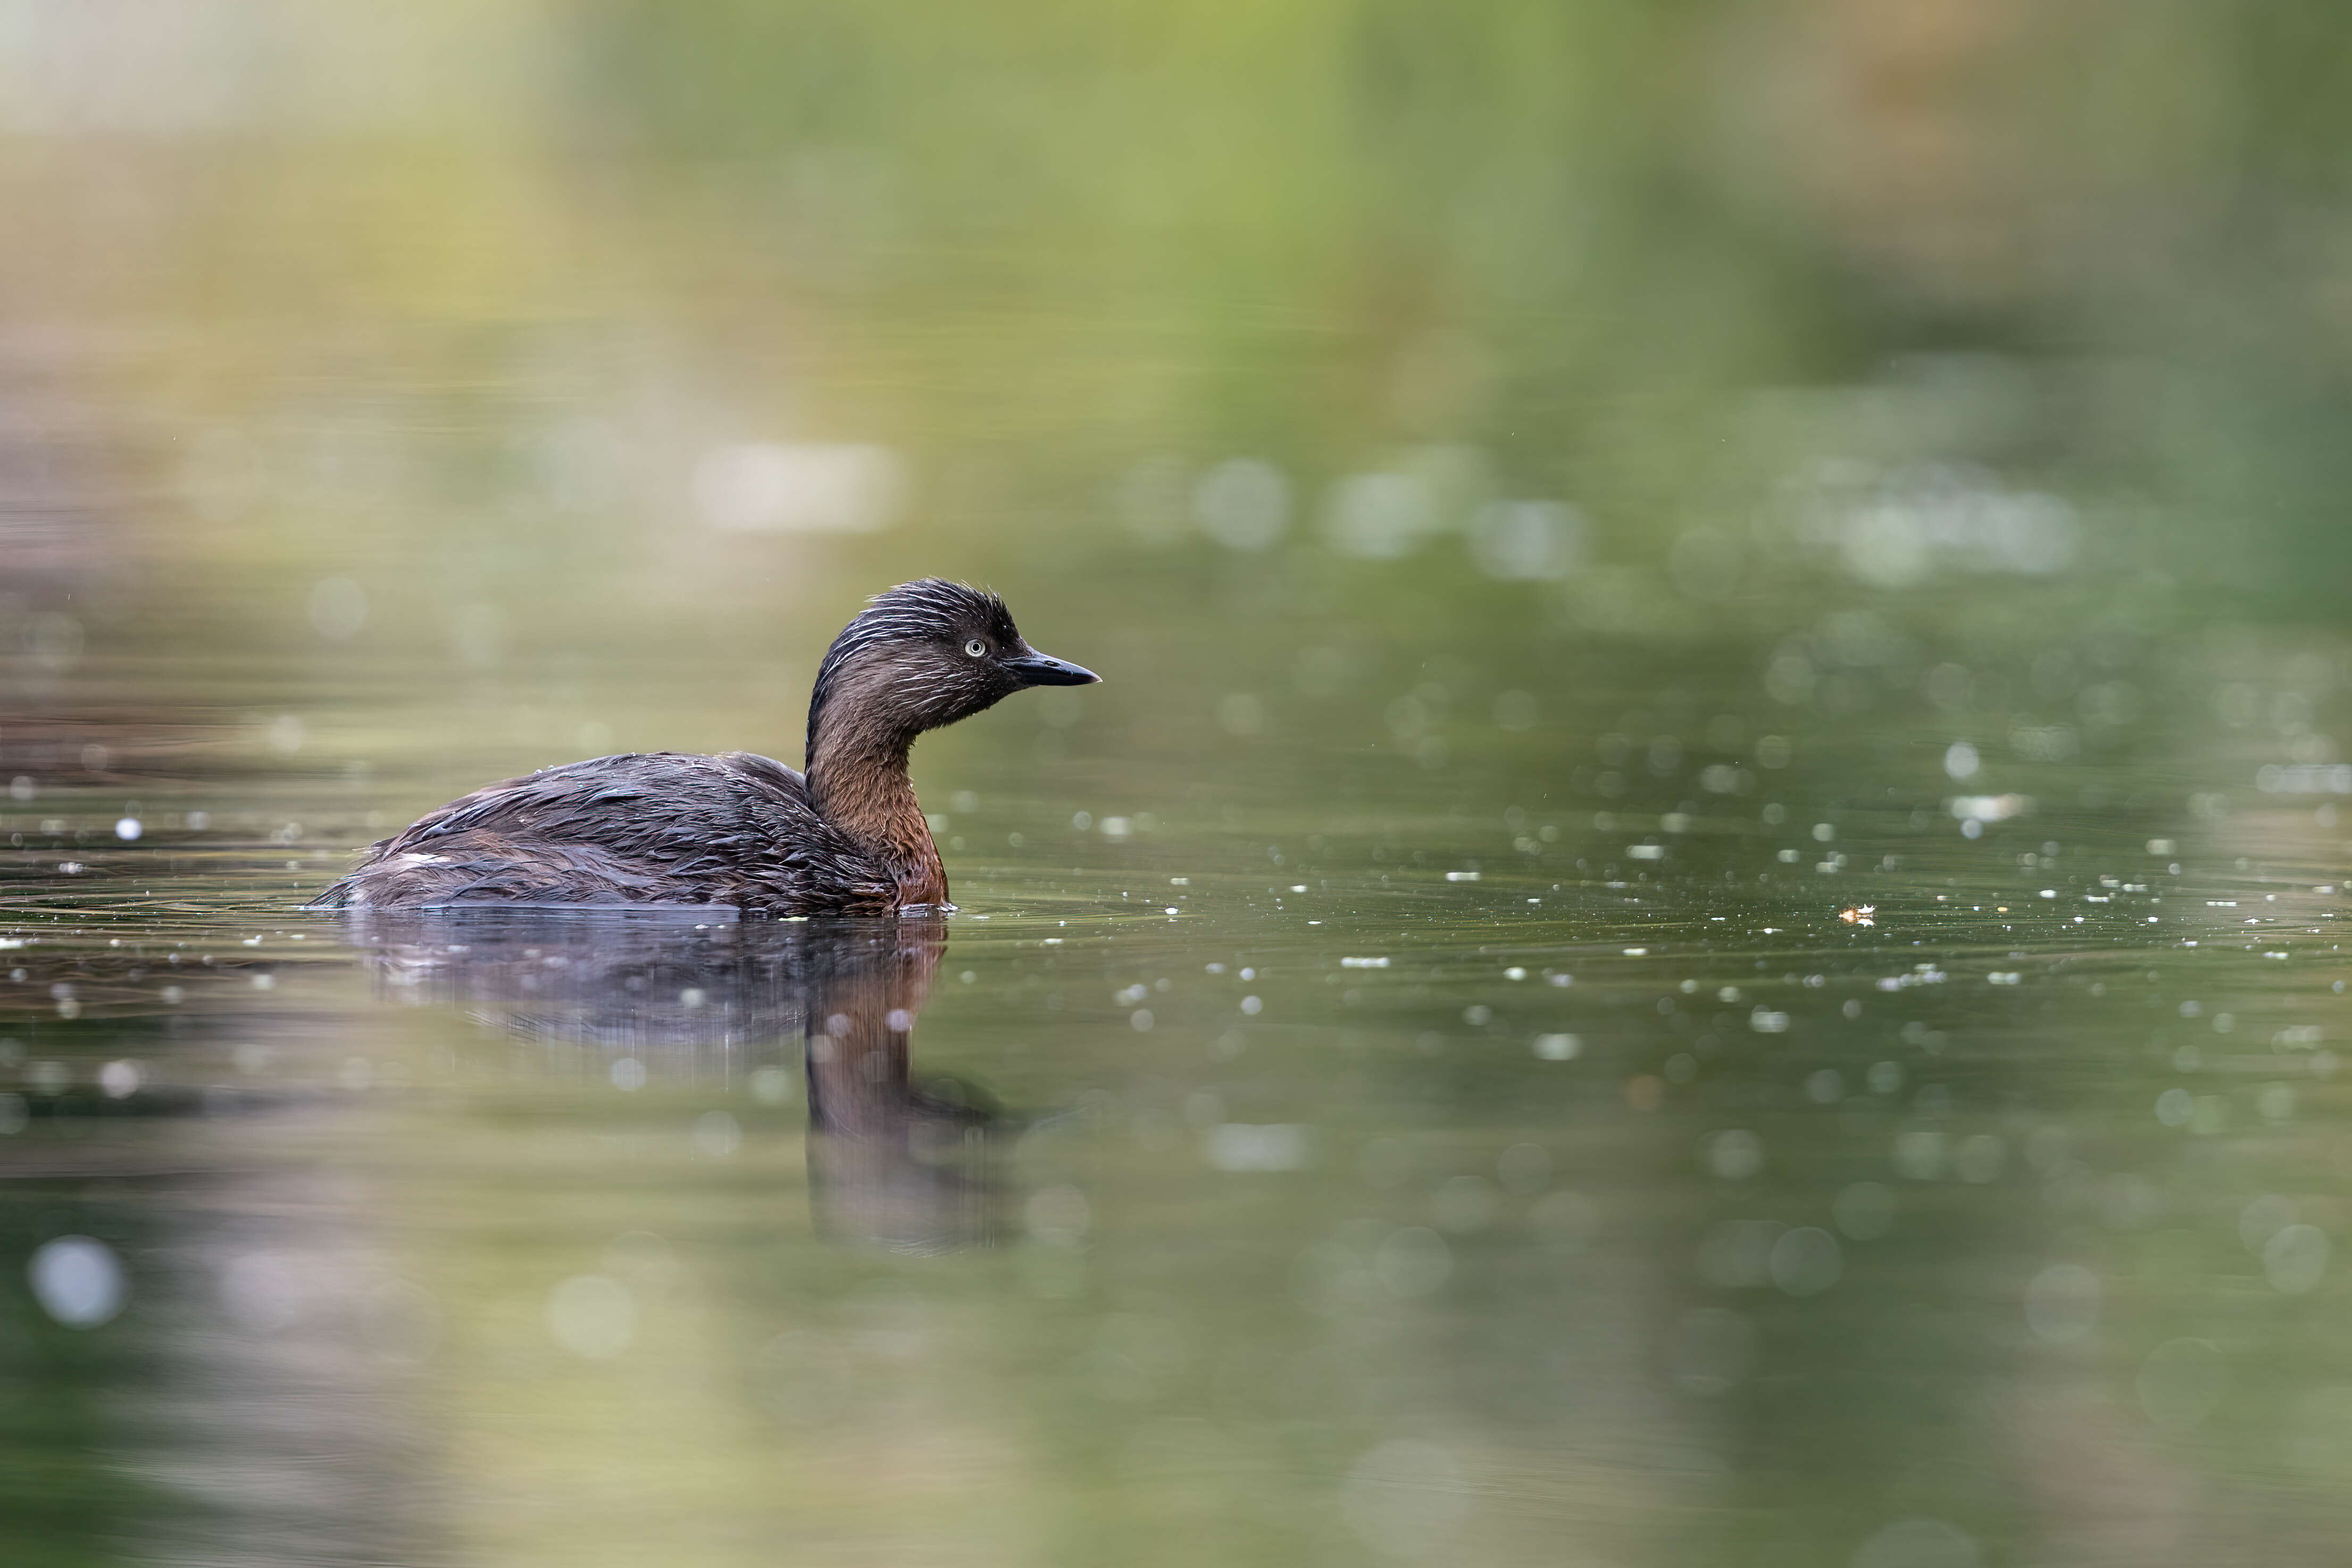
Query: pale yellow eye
[976, 647]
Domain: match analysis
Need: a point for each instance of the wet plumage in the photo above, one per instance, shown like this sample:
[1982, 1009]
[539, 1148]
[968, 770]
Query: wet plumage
[738, 830]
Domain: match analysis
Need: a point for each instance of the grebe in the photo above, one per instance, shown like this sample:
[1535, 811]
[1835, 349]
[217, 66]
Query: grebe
[668, 828]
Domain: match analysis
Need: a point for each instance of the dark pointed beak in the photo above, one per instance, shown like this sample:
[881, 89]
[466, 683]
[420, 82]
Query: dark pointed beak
[1035, 668]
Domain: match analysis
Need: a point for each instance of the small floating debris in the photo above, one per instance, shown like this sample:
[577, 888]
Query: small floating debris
[1858, 915]
[1461, 875]
[1364, 963]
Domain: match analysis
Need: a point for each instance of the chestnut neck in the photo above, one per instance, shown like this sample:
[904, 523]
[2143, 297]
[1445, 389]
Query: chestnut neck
[857, 780]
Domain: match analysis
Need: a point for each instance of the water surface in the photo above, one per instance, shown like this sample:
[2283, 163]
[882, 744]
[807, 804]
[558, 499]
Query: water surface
[1475, 1167]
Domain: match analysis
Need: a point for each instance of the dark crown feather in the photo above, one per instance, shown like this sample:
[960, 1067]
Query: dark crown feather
[925, 609]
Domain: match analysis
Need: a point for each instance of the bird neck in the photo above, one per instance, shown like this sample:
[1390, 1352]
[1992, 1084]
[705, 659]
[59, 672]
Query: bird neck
[857, 781]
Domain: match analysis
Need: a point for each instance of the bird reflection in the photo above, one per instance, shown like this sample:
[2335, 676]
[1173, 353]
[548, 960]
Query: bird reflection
[892, 1162]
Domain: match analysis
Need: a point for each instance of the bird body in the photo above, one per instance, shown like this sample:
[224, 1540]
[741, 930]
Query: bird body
[738, 830]
[649, 828]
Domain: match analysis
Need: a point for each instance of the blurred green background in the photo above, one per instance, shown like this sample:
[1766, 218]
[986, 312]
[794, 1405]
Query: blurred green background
[495, 311]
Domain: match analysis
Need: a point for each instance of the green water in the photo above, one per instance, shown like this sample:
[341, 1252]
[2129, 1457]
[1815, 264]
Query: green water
[1697, 921]
[1316, 1156]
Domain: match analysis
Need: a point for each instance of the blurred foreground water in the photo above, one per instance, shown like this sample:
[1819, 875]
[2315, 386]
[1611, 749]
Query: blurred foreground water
[1713, 1145]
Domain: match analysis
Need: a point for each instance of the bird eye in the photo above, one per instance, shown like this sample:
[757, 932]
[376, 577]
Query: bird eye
[976, 647]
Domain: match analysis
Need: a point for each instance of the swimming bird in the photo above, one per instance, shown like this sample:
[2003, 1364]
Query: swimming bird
[667, 827]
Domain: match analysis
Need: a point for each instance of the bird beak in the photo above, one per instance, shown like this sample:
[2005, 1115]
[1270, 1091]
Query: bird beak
[1035, 668]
